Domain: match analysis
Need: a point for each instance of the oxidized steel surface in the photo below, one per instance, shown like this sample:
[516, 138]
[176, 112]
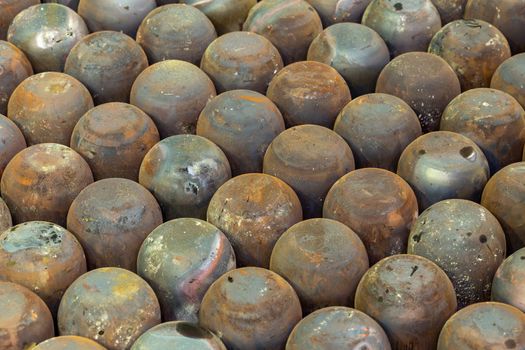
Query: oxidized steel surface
[242, 123]
[423, 80]
[473, 48]
[41, 181]
[25, 319]
[114, 138]
[377, 127]
[405, 25]
[338, 328]
[450, 10]
[15, 68]
[47, 106]
[107, 63]
[251, 309]
[173, 93]
[323, 260]
[178, 335]
[183, 172]
[290, 25]
[378, 205]
[241, 60]
[111, 218]
[47, 33]
[444, 165]
[357, 52]
[309, 92]
[109, 305]
[410, 297]
[175, 32]
[310, 158]
[180, 259]
[508, 285]
[466, 241]
[11, 141]
[335, 11]
[9, 9]
[494, 120]
[69, 342]
[484, 326]
[69, 3]
[509, 77]
[253, 211]
[5, 216]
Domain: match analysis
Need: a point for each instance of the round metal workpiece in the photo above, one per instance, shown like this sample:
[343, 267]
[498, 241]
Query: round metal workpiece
[8, 10]
[11, 142]
[336, 11]
[15, 68]
[508, 285]
[509, 77]
[69, 342]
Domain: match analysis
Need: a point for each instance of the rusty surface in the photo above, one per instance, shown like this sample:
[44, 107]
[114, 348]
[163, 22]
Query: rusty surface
[253, 211]
[444, 165]
[338, 328]
[323, 260]
[473, 48]
[114, 138]
[107, 63]
[47, 33]
[69, 3]
[15, 68]
[111, 218]
[494, 120]
[183, 172]
[290, 25]
[508, 285]
[378, 205]
[484, 326]
[377, 127]
[242, 123]
[5, 216]
[357, 52]
[241, 60]
[69, 342]
[251, 308]
[450, 10]
[466, 241]
[509, 77]
[9, 9]
[309, 158]
[309, 92]
[173, 93]
[111, 306]
[423, 80]
[25, 319]
[11, 141]
[180, 260]
[47, 106]
[336, 11]
[41, 181]
[410, 297]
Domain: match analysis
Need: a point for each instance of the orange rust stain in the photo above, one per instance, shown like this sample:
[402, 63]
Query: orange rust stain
[253, 99]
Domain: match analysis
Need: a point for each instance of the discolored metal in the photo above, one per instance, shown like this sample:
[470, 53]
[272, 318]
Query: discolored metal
[47, 106]
[357, 52]
[173, 93]
[309, 92]
[118, 15]
[504, 196]
[8, 10]
[467, 45]
[41, 181]
[183, 172]
[226, 15]
[494, 120]
[69, 3]
[484, 326]
[466, 241]
[69, 342]
[107, 63]
[290, 25]
[47, 33]
[450, 10]
[509, 77]
[11, 141]
[506, 15]
[176, 31]
[508, 285]
[241, 60]
[428, 97]
[251, 308]
[178, 335]
[377, 127]
[242, 123]
[444, 165]
[5, 216]
[323, 260]
[111, 218]
[253, 211]
[410, 297]
[180, 260]
[405, 25]
[310, 158]
[338, 328]
[378, 205]
[25, 319]
[15, 68]
[335, 11]
[114, 138]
